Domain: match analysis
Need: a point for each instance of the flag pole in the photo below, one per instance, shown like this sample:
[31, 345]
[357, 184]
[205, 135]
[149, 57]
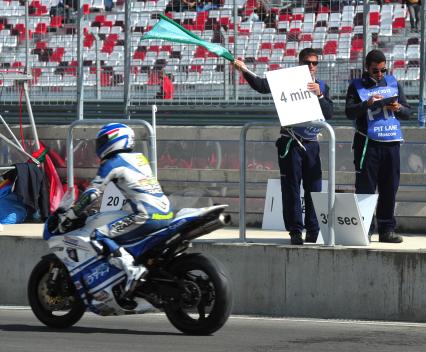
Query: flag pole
[249, 72]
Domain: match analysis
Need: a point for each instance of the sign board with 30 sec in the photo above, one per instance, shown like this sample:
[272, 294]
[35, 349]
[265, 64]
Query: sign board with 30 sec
[294, 102]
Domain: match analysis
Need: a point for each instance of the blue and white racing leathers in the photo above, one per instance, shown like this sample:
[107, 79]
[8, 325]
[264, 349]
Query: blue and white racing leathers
[149, 208]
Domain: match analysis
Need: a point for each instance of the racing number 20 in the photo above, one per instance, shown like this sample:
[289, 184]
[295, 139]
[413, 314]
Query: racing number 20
[114, 201]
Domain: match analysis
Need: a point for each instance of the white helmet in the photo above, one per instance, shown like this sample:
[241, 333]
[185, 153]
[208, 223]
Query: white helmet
[114, 137]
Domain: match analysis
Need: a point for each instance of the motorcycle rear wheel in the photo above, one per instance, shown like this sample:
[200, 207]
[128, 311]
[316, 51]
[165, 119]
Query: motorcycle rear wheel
[61, 309]
[206, 302]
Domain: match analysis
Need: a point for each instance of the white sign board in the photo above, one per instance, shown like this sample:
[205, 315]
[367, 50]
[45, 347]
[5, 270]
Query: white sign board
[112, 198]
[294, 102]
[351, 222]
[273, 210]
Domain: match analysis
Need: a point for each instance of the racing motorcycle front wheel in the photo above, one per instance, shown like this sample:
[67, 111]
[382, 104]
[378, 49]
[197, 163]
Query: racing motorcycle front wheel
[205, 300]
[52, 296]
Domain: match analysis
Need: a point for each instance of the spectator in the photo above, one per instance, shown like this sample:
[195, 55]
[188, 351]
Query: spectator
[298, 155]
[181, 6]
[414, 11]
[56, 8]
[166, 87]
[108, 4]
[203, 5]
[377, 138]
[64, 8]
[262, 13]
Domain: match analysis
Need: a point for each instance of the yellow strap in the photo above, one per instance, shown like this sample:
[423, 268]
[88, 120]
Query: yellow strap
[157, 216]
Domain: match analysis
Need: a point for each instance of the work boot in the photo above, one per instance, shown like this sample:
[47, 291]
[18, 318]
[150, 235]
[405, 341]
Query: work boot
[296, 238]
[123, 260]
[311, 236]
[390, 237]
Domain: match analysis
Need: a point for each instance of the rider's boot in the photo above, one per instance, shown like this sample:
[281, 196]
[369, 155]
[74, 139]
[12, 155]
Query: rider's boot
[125, 261]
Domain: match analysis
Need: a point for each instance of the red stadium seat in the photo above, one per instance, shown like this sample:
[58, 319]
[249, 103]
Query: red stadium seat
[196, 68]
[41, 45]
[330, 48]
[290, 52]
[399, 64]
[285, 17]
[155, 48]
[139, 55]
[279, 45]
[36, 73]
[200, 52]
[56, 21]
[200, 21]
[266, 45]
[100, 19]
[263, 59]
[41, 28]
[88, 41]
[86, 9]
[374, 19]
[42, 10]
[298, 17]
[324, 9]
[57, 55]
[357, 45]
[249, 7]
[398, 24]
[72, 68]
[167, 48]
[306, 37]
[106, 79]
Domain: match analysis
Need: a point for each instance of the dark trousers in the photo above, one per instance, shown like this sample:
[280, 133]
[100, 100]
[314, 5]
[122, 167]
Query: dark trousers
[381, 171]
[299, 166]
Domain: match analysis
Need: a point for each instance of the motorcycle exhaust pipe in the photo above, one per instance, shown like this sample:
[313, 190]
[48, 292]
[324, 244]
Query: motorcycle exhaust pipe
[211, 226]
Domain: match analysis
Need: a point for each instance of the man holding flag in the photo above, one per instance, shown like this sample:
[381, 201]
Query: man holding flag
[298, 155]
[298, 148]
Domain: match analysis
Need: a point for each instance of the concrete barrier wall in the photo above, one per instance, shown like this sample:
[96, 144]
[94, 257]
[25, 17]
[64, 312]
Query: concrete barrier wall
[276, 280]
[338, 283]
[18, 257]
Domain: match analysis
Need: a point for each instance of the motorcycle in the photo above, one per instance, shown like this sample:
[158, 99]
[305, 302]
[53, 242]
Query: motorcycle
[193, 289]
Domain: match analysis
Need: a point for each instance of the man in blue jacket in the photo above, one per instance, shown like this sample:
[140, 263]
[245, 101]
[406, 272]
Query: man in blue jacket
[298, 155]
[377, 102]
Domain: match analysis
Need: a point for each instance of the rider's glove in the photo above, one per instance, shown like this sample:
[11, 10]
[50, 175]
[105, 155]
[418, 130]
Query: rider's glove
[66, 219]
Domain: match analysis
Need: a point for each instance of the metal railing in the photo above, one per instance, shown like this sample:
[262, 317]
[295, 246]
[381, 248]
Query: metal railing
[94, 122]
[330, 241]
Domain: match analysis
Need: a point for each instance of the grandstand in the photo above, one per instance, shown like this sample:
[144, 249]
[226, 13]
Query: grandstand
[203, 162]
[334, 28]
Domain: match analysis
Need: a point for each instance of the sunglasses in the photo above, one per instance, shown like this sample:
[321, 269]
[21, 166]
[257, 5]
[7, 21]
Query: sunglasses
[313, 63]
[376, 70]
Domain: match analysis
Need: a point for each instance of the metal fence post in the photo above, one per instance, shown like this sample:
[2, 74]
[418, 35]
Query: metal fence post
[94, 122]
[80, 72]
[154, 138]
[331, 175]
[422, 88]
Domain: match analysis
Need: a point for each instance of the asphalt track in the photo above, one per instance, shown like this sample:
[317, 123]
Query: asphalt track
[20, 331]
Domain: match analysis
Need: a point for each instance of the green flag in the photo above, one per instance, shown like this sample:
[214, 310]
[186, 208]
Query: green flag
[167, 29]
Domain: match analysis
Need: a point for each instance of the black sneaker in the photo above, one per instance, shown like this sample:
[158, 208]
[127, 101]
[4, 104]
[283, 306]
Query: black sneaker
[296, 238]
[311, 236]
[390, 237]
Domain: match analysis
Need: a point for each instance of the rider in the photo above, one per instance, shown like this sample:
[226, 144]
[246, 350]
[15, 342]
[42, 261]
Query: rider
[131, 173]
